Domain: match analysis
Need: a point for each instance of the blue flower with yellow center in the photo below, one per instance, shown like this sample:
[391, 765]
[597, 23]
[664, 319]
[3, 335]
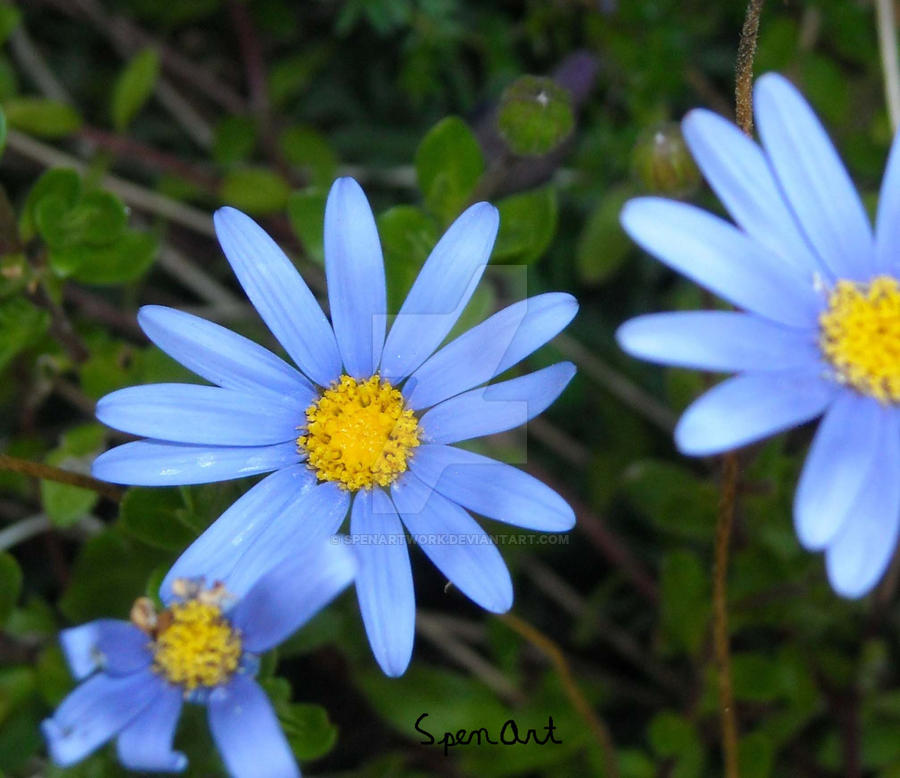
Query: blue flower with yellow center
[202, 649]
[365, 425]
[819, 329]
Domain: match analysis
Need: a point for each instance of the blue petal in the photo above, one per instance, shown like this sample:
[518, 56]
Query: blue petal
[95, 712]
[189, 413]
[497, 407]
[749, 407]
[739, 172]
[314, 513]
[492, 488]
[887, 223]
[489, 349]
[858, 557]
[813, 179]
[220, 355]
[247, 732]
[441, 292]
[354, 268]
[384, 584]
[215, 552]
[117, 647]
[724, 260]
[279, 294]
[838, 465]
[156, 463]
[293, 591]
[146, 743]
[720, 341]
[455, 543]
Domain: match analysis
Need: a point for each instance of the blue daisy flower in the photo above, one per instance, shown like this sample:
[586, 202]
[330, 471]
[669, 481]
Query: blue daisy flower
[202, 649]
[365, 425]
[819, 330]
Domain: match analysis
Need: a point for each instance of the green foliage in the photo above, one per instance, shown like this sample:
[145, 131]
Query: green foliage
[10, 16]
[309, 151]
[85, 231]
[156, 517]
[408, 235]
[256, 190]
[603, 247]
[22, 325]
[133, 87]
[2, 130]
[66, 504]
[41, 117]
[306, 211]
[10, 585]
[535, 115]
[235, 139]
[449, 164]
[527, 226]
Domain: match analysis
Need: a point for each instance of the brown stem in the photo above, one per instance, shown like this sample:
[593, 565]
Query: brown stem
[724, 523]
[50, 473]
[743, 88]
[556, 656]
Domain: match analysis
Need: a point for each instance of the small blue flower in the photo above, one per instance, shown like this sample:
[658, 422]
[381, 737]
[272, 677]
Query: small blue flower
[202, 649]
[821, 329]
[366, 424]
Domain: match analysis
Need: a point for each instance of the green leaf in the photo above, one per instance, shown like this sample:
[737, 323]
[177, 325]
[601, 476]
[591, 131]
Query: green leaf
[756, 677]
[17, 685]
[603, 245]
[449, 164]
[234, 140]
[21, 325]
[2, 130]
[306, 212]
[133, 86]
[308, 729]
[756, 755]
[408, 235]
[10, 585]
[535, 115]
[684, 589]
[64, 504]
[527, 225]
[10, 17]
[60, 185]
[53, 679]
[44, 118]
[98, 218]
[673, 737]
[255, 190]
[125, 566]
[156, 516]
[308, 150]
[126, 259]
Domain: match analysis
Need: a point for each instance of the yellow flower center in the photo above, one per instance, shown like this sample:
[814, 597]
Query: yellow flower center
[860, 336]
[195, 645]
[359, 434]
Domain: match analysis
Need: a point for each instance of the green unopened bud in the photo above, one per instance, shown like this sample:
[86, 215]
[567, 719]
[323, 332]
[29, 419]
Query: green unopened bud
[662, 162]
[535, 115]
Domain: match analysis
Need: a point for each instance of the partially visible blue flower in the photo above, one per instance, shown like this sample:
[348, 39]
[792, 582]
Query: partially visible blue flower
[202, 649]
[364, 426]
[821, 329]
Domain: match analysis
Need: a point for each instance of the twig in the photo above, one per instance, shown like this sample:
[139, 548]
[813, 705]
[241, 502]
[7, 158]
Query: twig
[604, 540]
[136, 196]
[616, 384]
[60, 326]
[554, 653]
[443, 639]
[32, 63]
[23, 530]
[724, 524]
[560, 443]
[743, 88]
[887, 46]
[50, 473]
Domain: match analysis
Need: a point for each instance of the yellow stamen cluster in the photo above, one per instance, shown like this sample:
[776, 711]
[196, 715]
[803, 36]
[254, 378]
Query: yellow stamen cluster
[860, 336]
[195, 645]
[359, 434]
